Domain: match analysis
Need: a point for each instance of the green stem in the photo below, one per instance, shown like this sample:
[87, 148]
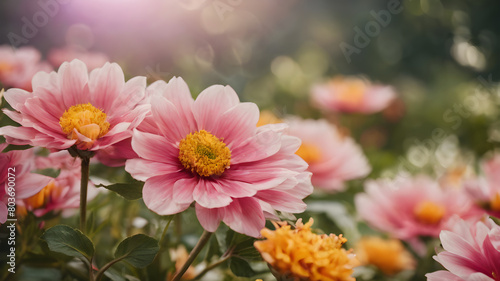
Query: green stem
[210, 267]
[105, 267]
[83, 193]
[162, 239]
[194, 253]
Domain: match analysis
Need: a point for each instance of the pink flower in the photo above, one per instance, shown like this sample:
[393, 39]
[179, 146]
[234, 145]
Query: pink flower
[486, 190]
[71, 107]
[471, 252]
[332, 158]
[16, 178]
[17, 67]
[93, 60]
[412, 207]
[61, 193]
[210, 152]
[352, 94]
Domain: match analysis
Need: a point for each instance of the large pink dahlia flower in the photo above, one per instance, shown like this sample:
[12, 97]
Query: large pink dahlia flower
[332, 158]
[486, 190]
[412, 207]
[352, 95]
[210, 151]
[471, 252]
[71, 107]
[16, 180]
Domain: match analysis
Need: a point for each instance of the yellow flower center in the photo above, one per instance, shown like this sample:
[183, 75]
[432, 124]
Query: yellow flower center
[43, 197]
[204, 154]
[429, 212]
[6, 67]
[349, 91]
[86, 119]
[495, 202]
[309, 152]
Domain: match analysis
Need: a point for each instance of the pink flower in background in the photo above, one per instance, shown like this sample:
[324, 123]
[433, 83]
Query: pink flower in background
[210, 152]
[16, 167]
[471, 252]
[332, 158]
[71, 107]
[486, 190]
[61, 194]
[17, 67]
[412, 207]
[352, 95]
[93, 60]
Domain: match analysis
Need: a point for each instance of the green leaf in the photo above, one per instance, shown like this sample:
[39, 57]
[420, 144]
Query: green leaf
[241, 267]
[213, 249]
[138, 250]
[12, 147]
[130, 191]
[66, 240]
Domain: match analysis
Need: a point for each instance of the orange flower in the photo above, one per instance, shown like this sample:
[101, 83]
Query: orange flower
[298, 254]
[389, 255]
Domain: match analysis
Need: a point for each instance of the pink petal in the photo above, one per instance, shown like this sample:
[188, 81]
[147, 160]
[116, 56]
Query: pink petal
[282, 201]
[142, 169]
[17, 97]
[30, 184]
[18, 135]
[236, 124]
[158, 194]
[262, 145]
[245, 215]
[442, 275]
[74, 77]
[173, 124]
[154, 147]
[211, 104]
[105, 86]
[207, 196]
[208, 218]
[183, 190]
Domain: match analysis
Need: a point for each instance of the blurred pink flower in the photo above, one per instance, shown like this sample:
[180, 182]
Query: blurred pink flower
[71, 107]
[486, 190]
[61, 194]
[352, 94]
[332, 158]
[412, 207]
[17, 67]
[93, 60]
[16, 178]
[471, 252]
[210, 151]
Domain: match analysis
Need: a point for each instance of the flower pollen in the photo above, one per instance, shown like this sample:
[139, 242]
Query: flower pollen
[429, 212]
[303, 255]
[204, 154]
[86, 119]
